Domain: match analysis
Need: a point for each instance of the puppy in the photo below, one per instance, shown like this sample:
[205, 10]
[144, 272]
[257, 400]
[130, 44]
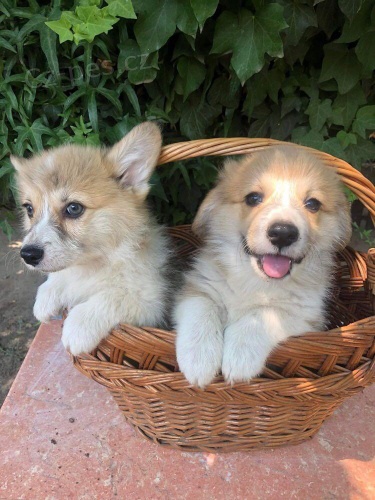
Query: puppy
[270, 230]
[88, 226]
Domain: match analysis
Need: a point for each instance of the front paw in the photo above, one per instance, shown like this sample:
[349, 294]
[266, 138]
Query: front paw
[199, 366]
[242, 361]
[81, 333]
[46, 304]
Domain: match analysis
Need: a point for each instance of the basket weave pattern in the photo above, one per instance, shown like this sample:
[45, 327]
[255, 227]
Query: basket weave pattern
[305, 379]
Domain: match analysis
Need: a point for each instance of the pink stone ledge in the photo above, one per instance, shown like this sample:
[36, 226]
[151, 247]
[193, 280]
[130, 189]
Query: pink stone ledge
[62, 436]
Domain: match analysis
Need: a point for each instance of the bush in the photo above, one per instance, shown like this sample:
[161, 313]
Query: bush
[299, 70]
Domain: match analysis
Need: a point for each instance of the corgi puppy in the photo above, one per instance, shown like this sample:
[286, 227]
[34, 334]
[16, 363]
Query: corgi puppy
[270, 231]
[87, 226]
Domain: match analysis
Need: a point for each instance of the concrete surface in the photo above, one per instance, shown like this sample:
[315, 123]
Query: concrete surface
[62, 436]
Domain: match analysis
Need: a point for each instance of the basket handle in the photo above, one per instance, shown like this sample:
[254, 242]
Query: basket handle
[354, 180]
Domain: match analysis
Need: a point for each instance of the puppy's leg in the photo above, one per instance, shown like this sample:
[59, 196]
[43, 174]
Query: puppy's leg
[249, 341]
[90, 322]
[48, 300]
[199, 342]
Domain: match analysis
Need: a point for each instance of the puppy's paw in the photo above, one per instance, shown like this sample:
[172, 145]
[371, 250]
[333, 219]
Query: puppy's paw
[79, 333]
[244, 358]
[46, 304]
[199, 364]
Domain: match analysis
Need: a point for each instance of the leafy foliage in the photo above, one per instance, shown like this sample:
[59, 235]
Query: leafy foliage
[88, 71]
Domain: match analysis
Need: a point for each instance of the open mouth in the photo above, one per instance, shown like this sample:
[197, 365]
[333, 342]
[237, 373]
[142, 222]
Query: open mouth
[272, 265]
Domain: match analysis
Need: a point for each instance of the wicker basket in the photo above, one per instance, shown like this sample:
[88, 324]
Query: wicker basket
[306, 378]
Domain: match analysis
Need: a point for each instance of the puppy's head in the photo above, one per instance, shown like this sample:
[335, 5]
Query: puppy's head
[81, 202]
[280, 206]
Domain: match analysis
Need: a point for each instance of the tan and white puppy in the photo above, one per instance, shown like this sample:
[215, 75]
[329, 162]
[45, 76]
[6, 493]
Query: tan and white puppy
[88, 226]
[270, 230]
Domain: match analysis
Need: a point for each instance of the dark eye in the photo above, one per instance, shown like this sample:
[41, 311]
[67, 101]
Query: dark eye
[253, 199]
[312, 205]
[29, 209]
[74, 210]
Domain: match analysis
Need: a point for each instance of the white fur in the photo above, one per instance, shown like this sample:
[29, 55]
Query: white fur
[110, 265]
[230, 315]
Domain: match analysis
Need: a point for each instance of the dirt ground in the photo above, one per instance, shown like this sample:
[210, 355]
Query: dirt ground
[17, 324]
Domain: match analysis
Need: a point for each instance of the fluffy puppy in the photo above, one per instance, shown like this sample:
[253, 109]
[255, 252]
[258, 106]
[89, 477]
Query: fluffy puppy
[270, 230]
[88, 226]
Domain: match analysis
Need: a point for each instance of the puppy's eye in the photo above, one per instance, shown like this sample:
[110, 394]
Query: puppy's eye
[312, 205]
[74, 210]
[29, 209]
[253, 199]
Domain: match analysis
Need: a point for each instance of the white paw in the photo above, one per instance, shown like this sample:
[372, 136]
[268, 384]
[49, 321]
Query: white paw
[241, 365]
[245, 353]
[46, 304]
[79, 333]
[200, 365]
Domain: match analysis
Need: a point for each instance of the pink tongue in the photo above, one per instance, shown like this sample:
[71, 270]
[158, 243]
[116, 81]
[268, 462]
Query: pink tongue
[276, 266]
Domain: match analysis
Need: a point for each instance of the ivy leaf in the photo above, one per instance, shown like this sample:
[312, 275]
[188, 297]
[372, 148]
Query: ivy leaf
[350, 7]
[204, 10]
[342, 65]
[318, 112]
[364, 120]
[94, 22]
[299, 17]
[186, 20]
[312, 139]
[346, 138]
[63, 28]
[192, 73]
[249, 37]
[333, 147]
[365, 51]
[196, 117]
[156, 24]
[121, 8]
[358, 24]
[345, 106]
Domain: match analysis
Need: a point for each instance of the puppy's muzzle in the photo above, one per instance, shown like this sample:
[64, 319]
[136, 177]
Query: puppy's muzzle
[282, 235]
[32, 255]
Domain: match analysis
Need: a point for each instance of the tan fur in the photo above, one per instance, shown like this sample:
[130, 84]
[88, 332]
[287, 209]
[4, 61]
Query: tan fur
[230, 314]
[109, 265]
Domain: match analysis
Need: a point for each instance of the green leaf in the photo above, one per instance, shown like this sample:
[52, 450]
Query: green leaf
[249, 37]
[346, 138]
[354, 28]
[345, 106]
[203, 10]
[121, 8]
[318, 112]
[186, 20]
[156, 24]
[94, 22]
[63, 28]
[48, 42]
[6, 45]
[312, 139]
[299, 17]
[132, 96]
[333, 147]
[342, 65]
[350, 7]
[365, 51]
[364, 120]
[6, 228]
[192, 73]
[196, 118]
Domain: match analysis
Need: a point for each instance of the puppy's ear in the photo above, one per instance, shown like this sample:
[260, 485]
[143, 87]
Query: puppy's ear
[135, 157]
[201, 222]
[18, 163]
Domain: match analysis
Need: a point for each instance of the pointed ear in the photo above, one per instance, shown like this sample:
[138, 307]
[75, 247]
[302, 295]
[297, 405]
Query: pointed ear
[17, 162]
[136, 155]
[201, 222]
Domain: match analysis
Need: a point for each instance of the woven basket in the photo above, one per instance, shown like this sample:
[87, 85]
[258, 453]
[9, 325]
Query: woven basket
[306, 377]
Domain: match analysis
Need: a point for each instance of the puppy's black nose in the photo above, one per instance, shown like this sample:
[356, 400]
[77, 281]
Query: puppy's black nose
[32, 255]
[282, 235]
